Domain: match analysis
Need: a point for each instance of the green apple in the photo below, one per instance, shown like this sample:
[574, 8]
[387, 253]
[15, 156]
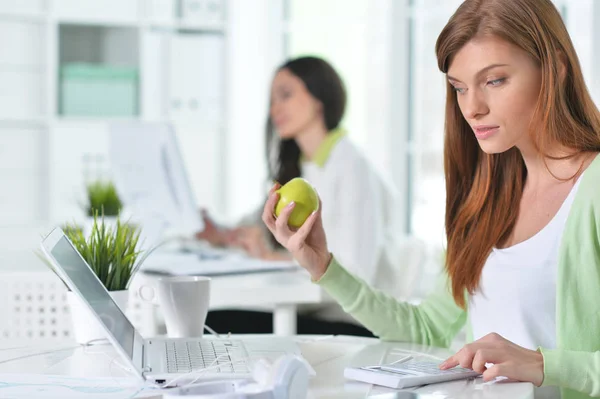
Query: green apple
[303, 194]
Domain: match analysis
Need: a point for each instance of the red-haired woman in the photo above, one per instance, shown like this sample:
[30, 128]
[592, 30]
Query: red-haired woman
[522, 269]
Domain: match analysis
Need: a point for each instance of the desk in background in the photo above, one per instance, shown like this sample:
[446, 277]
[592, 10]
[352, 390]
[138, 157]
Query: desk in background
[328, 357]
[279, 291]
[35, 296]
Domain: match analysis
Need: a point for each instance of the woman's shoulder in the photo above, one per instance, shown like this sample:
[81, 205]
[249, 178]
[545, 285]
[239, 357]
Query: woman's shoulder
[586, 206]
[348, 154]
[345, 146]
[349, 160]
[590, 182]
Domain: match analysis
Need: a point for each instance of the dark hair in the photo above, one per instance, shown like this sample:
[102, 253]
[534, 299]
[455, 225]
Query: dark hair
[324, 84]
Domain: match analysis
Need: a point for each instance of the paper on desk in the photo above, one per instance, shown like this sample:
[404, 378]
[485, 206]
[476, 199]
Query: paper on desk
[55, 386]
[190, 264]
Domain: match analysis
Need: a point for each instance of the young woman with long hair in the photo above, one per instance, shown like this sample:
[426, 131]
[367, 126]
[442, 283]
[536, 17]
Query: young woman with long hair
[522, 269]
[304, 138]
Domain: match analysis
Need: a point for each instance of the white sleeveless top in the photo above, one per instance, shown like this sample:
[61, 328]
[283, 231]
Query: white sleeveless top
[517, 292]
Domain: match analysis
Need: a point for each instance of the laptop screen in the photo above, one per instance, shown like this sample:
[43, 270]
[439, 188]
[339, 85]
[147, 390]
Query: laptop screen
[94, 292]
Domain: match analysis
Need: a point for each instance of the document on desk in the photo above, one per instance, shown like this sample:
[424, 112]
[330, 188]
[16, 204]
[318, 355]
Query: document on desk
[191, 264]
[64, 387]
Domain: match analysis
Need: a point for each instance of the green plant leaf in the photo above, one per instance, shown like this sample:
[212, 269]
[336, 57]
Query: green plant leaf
[111, 252]
[103, 198]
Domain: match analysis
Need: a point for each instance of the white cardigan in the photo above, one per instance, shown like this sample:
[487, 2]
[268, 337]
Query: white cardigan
[357, 208]
[358, 215]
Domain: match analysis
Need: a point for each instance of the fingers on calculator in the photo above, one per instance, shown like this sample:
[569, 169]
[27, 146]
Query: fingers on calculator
[406, 375]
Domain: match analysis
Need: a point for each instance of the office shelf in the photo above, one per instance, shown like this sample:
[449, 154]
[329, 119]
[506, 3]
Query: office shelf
[101, 22]
[167, 49]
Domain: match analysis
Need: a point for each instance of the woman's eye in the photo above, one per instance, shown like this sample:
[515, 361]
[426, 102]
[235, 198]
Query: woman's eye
[496, 82]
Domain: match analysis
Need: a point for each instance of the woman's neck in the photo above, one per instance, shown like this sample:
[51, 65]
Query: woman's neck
[310, 139]
[544, 171]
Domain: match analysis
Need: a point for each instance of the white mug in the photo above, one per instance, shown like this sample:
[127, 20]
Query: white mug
[184, 302]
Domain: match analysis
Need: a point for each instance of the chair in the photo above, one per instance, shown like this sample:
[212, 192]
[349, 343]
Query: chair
[34, 305]
[404, 268]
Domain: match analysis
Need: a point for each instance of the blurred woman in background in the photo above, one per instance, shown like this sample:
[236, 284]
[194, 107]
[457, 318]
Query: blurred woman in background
[304, 139]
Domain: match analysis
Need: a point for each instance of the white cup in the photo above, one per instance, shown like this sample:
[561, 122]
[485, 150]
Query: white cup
[184, 302]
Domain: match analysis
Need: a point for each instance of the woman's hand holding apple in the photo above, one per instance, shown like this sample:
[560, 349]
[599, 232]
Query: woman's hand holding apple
[307, 244]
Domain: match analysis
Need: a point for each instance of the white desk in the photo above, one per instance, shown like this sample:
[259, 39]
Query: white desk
[281, 291]
[328, 357]
[284, 291]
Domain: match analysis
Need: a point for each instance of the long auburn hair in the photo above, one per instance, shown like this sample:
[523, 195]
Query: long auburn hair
[483, 191]
[324, 84]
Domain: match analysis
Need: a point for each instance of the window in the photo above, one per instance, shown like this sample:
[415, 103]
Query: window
[350, 35]
[355, 36]
[336, 31]
[427, 94]
[427, 97]
[362, 40]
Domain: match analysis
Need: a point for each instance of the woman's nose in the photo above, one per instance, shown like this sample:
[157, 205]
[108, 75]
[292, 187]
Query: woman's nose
[474, 105]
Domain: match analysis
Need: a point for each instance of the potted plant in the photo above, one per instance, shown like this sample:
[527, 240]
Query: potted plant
[102, 198]
[112, 253]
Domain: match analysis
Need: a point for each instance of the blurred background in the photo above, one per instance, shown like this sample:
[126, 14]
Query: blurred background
[69, 68]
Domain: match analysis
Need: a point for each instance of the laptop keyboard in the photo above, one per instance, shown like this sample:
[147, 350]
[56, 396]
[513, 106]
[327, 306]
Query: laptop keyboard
[185, 357]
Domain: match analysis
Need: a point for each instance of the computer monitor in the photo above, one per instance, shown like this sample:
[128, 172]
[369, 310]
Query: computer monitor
[151, 178]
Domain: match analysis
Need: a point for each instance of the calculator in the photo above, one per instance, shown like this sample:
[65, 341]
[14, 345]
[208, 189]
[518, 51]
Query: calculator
[407, 374]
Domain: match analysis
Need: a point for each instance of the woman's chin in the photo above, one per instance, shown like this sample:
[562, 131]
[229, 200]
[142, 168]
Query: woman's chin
[493, 148]
[286, 134]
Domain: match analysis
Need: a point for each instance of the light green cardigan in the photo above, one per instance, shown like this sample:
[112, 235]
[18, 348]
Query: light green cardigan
[574, 365]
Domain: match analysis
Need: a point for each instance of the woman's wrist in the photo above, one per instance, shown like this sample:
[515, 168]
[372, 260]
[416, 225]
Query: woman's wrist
[540, 366]
[321, 266]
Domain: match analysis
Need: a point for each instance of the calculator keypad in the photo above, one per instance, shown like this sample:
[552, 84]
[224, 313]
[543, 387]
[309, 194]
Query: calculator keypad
[424, 368]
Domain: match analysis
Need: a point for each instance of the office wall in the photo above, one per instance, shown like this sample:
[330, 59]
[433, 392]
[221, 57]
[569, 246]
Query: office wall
[255, 49]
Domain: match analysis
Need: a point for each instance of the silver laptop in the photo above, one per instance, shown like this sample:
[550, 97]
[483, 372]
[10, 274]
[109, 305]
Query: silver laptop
[157, 359]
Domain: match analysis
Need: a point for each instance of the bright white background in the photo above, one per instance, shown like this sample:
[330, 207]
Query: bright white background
[384, 50]
[385, 53]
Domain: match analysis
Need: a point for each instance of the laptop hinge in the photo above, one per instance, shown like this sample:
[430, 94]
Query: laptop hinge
[145, 368]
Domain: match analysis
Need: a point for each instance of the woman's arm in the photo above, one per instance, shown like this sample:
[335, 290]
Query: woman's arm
[577, 367]
[222, 236]
[573, 370]
[254, 241]
[212, 233]
[436, 321]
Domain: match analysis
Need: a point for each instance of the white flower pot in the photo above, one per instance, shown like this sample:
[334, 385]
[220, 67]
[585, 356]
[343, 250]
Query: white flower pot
[86, 327]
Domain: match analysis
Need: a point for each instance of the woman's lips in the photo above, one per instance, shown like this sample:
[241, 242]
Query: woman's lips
[484, 132]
